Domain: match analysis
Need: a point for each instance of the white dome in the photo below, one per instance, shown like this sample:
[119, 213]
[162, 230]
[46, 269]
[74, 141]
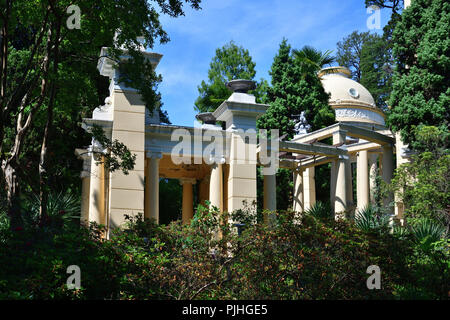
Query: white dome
[343, 89]
[350, 99]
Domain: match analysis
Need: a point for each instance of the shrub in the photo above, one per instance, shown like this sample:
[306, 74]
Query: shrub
[370, 219]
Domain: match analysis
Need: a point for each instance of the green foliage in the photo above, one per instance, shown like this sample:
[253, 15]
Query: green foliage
[118, 156]
[421, 86]
[367, 55]
[50, 82]
[426, 232]
[369, 219]
[422, 184]
[321, 210]
[349, 52]
[170, 198]
[293, 259]
[313, 60]
[294, 88]
[230, 62]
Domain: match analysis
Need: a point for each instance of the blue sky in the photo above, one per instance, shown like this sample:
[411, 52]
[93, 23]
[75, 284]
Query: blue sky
[257, 25]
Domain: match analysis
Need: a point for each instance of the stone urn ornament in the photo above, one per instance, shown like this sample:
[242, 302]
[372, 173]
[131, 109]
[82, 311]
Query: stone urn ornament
[241, 85]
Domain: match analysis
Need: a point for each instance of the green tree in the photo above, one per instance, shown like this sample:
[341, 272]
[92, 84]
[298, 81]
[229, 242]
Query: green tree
[367, 55]
[349, 52]
[230, 62]
[421, 86]
[295, 87]
[422, 184]
[47, 70]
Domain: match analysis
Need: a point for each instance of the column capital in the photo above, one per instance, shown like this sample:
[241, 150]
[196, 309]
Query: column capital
[214, 160]
[154, 154]
[187, 180]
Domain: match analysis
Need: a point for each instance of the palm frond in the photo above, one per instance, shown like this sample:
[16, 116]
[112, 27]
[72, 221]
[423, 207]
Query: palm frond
[320, 210]
[428, 230]
[368, 219]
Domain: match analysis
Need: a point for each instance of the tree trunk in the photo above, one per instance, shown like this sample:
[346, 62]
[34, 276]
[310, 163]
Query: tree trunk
[12, 190]
[43, 175]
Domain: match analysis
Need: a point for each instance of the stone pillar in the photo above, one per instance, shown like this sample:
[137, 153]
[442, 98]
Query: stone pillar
[151, 203]
[339, 176]
[373, 164]
[333, 178]
[216, 186]
[97, 191]
[242, 172]
[340, 204]
[349, 184]
[298, 205]
[85, 186]
[270, 197]
[401, 159]
[203, 190]
[188, 200]
[362, 183]
[309, 188]
[127, 191]
[270, 193]
[387, 167]
[85, 176]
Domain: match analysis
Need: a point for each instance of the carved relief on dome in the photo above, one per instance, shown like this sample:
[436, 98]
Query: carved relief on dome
[359, 114]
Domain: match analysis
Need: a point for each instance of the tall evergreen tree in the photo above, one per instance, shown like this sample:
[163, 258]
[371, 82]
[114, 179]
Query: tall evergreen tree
[421, 85]
[295, 87]
[230, 62]
[367, 55]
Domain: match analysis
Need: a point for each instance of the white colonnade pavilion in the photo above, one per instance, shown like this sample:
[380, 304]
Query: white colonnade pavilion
[227, 177]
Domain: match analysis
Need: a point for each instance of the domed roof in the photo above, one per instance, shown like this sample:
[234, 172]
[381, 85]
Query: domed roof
[351, 101]
[344, 90]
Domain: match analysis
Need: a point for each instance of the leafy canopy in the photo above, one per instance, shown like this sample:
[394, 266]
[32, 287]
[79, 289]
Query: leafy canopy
[421, 85]
[230, 62]
[295, 87]
[367, 55]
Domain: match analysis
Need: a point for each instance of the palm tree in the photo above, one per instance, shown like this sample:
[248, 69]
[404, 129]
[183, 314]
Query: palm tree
[313, 60]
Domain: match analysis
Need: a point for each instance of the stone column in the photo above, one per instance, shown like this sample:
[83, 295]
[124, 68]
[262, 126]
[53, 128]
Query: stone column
[151, 203]
[270, 197]
[216, 186]
[188, 200]
[401, 159]
[85, 176]
[298, 205]
[340, 204]
[373, 164]
[362, 183]
[349, 183]
[387, 167]
[85, 186]
[203, 190]
[333, 178]
[270, 193]
[241, 184]
[97, 191]
[309, 188]
[339, 175]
